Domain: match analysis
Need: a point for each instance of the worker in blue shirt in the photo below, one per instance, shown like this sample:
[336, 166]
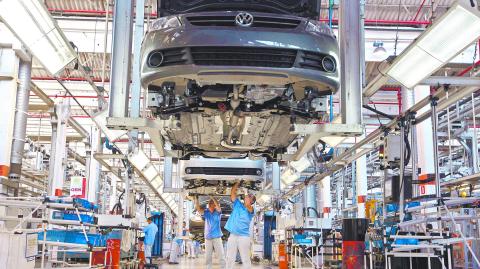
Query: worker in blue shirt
[150, 232]
[213, 232]
[238, 225]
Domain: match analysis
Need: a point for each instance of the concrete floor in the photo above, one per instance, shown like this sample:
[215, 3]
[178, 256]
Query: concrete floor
[199, 263]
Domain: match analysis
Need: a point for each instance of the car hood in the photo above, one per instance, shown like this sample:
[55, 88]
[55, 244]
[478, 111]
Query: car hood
[301, 8]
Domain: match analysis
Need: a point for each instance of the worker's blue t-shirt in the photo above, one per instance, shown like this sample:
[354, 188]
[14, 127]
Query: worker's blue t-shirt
[212, 224]
[150, 231]
[239, 221]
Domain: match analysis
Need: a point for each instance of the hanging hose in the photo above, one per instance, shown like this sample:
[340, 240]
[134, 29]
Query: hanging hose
[142, 200]
[117, 208]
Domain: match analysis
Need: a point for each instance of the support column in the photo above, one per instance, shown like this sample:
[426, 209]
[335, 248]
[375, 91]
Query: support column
[424, 135]
[324, 197]
[121, 58]
[120, 75]
[361, 185]
[21, 115]
[311, 200]
[9, 65]
[351, 55]
[92, 167]
[58, 152]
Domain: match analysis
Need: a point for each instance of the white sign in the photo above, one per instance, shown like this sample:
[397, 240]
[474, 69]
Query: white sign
[77, 187]
[31, 246]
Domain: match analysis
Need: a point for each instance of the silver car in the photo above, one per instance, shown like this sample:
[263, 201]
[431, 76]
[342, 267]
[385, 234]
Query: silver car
[237, 74]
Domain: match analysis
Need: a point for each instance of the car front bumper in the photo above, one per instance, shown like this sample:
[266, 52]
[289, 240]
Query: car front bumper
[187, 37]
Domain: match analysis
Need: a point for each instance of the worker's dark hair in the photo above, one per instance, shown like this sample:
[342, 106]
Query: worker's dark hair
[253, 197]
[150, 218]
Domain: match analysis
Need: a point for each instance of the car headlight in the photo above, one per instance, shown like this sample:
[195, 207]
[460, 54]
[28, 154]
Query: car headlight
[165, 23]
[318, 27]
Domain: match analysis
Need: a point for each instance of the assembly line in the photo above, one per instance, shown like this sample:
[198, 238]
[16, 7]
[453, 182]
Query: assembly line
[252, 134]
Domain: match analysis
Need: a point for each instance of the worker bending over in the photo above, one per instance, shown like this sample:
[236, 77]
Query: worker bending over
[213, 232]
[150, 232]
[238, 225]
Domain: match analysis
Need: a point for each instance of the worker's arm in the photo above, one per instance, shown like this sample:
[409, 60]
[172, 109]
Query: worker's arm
[249, 208]
[199, 208]
[233, 192]
[217, 205]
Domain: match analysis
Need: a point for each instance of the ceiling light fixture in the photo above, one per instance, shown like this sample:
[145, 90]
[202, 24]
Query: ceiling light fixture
[379, 52]
[452, 33]
[31, 23]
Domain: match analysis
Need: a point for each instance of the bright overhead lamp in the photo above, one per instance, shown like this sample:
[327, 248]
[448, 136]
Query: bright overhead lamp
[150, 172]
[301, 164]
[379, 51]
[452, 33]
[100, 119]
[157, 183]
[139, 160]
[32, 24]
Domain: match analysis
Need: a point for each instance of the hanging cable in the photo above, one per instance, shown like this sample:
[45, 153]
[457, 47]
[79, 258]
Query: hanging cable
[396, 34]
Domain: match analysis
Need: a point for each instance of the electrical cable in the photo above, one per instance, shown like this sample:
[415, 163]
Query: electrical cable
[396, 35]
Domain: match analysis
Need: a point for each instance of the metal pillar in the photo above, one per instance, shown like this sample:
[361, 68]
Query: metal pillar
[350, 58]
[58, 152]
[324, 196]
[402, 171]
[21, 113]
[136, 88]
[92, 167]
[475, 138]
[9, 64]
[311, 192]
[121, 58]
[361, 185]
[408, 100]
[438, 191]
[424, 135]
[137, 60]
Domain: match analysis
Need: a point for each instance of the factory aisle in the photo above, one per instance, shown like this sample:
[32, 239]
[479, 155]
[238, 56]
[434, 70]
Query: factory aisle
[199, 263]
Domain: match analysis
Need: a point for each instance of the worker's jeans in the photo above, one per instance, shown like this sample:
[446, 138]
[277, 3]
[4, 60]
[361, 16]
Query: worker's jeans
[216, 244]
[242, 244]
[174, 251]
[191, 249]
[148, 253]
[148, 250]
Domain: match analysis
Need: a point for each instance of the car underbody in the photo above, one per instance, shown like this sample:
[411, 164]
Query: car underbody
[233, 121]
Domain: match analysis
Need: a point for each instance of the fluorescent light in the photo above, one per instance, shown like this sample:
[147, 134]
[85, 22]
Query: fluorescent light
[100, 119]
[413, 66]
[139, 159]
[288, 176]
[451, 34]
[301, 164]
[150, 172]
[32, 24]
[157, 183]
[264, 198]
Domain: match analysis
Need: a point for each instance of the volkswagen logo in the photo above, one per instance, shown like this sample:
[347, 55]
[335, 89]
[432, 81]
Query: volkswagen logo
[244, 19]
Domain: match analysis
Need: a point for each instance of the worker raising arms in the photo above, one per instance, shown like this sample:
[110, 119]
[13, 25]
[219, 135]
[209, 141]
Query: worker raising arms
[238, 225]
[213, 233]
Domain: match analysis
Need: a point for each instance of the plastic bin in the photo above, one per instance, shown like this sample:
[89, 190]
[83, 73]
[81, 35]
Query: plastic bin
[75, 237]
[84, 203]
[84, 217]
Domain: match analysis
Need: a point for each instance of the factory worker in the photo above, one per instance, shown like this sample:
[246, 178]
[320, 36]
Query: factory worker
[175, 250]
[238, 225]
[213, 233]
[150, 232]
